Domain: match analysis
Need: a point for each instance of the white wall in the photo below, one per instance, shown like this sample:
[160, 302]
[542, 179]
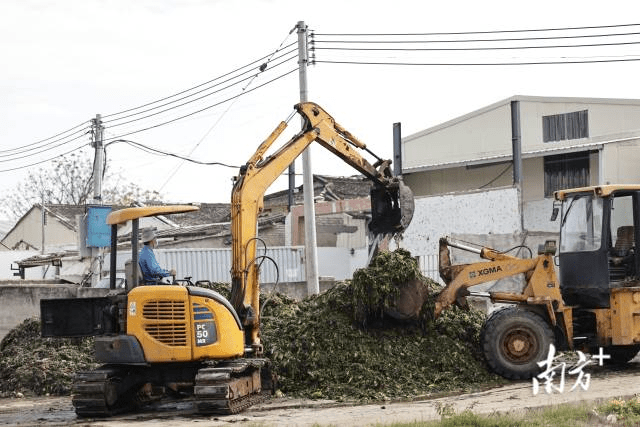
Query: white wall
[537, 216]
[621, 163]
[481, 212]
[30, 230]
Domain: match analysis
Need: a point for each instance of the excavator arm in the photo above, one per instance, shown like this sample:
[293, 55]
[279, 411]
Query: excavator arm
[391, 200]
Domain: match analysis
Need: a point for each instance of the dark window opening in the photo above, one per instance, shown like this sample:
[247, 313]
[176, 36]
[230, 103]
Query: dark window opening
[561, 127]
[564, 171]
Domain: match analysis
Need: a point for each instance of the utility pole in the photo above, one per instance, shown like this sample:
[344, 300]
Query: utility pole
[98, 168]
[43, 221]
[98, 164]
[310, 241]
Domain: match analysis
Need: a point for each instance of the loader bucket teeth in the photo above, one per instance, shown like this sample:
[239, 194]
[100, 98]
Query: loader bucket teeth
[391, 208]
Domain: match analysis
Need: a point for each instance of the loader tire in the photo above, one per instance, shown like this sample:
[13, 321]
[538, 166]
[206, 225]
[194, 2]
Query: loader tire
[514, 340]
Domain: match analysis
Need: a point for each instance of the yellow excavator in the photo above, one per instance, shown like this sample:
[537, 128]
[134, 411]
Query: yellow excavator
[177, 340]
[592, 304]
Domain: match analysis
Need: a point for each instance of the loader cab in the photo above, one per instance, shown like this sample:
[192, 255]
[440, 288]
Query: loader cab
[598, 230]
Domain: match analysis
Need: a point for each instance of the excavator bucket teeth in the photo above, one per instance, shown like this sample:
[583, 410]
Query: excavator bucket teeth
[391, 208]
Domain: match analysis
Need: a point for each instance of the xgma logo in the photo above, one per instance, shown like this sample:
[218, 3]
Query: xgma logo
[484, 271]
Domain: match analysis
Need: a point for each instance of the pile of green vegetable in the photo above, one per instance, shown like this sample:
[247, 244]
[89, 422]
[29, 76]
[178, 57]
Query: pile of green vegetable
[337, 345]
[322, 349]
[30, 364]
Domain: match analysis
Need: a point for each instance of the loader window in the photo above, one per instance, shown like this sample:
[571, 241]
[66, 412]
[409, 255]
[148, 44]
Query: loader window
[622, 223]
[581, 227]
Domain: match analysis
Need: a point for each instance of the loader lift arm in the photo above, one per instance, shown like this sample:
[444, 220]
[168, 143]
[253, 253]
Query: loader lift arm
[392, 202]
[541, 289]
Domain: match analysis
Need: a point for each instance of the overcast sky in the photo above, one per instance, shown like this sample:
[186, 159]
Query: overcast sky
[65, 61]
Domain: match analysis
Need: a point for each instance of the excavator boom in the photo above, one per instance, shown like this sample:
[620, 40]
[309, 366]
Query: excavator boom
[391, 201]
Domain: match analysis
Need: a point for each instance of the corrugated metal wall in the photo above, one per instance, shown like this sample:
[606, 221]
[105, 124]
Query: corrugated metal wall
[215, 264]
[429, 266]
[200, 264]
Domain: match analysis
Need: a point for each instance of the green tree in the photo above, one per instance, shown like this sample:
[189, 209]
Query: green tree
[69, 180]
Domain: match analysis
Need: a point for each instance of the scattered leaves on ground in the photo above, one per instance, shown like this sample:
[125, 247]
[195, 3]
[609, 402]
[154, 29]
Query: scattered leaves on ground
[31, 364]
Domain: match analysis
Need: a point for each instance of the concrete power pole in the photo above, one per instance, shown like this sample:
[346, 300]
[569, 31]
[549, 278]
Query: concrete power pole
[98, 168]
[98, 164]
[310, 241]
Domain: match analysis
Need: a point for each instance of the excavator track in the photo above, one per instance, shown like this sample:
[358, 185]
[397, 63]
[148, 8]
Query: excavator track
[230, 387]
[96, 393]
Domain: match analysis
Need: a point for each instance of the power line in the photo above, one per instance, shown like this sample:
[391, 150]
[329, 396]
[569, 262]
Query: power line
[23, 148]
[474, 64]
[205, 108]
[42, 161]
[157, 152]
[43, 148]
[190, 101]
[197, 86]
[231, 104]
[479, 40]
[481, 32]
[47, 144]
[365, 49]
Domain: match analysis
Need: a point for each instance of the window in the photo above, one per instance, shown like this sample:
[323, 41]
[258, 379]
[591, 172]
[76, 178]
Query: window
[560, 127]
[581, 224]
[564, 171]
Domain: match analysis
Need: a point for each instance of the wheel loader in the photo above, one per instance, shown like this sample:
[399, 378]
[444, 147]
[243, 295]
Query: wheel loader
[159, 342]
[592, 302]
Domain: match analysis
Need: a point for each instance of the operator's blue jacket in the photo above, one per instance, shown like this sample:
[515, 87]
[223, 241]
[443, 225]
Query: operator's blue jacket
[151, 270]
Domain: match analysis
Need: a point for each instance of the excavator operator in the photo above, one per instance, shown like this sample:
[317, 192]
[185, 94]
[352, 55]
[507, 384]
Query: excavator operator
[152, 273]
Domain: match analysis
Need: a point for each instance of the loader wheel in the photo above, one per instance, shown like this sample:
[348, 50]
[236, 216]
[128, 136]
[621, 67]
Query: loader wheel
[514, 341]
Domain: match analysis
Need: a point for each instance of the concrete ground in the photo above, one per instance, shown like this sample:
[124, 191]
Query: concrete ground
[604, 384]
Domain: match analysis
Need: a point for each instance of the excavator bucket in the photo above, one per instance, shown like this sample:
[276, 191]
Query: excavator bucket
[391, 208]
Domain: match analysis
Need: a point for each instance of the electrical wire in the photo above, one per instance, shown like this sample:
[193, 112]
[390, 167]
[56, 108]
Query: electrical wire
[481, 32]
[43, 161]
[262, 68]
[475, 64]
[203, 109]
[196, 99]
[412, 42]
[458, 49]
[68, 136]
[32, 147]
[198, 92]
[13, 158]
[196, 87]
[47, 139]
[496, 178]
[157, 152]
[479, 40]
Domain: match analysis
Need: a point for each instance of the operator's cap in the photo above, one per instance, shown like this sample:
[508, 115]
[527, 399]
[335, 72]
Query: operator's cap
[148, 234]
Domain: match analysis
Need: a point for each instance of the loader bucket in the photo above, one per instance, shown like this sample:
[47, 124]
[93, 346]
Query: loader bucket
[391, 208]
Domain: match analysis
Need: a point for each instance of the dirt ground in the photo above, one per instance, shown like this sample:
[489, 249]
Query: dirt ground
[517, 396]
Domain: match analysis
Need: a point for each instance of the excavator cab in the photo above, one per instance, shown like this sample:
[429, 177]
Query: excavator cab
[598, 231]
